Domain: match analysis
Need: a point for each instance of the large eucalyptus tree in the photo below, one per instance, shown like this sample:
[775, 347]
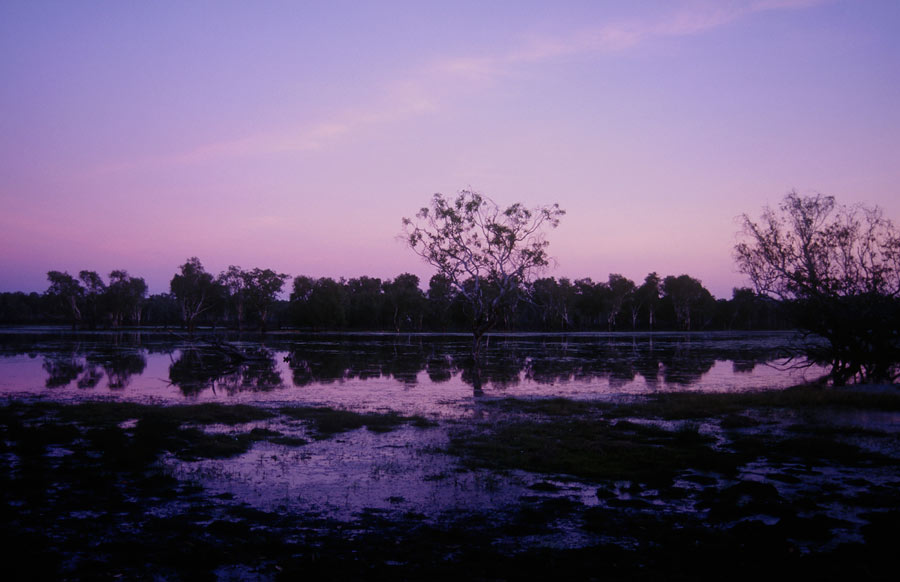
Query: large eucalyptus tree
[484, 251]
[837, 268]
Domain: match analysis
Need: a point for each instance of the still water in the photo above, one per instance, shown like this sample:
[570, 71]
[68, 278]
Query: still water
[416, 373]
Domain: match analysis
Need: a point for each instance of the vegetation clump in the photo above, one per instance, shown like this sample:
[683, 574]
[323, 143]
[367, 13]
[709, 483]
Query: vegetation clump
[837, 272]
[330, 421]
[657, 439]
[591, 448]
[681, 496]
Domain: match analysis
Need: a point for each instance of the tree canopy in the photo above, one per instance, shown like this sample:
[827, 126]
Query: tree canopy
[838, 270]
[484, 251]
[195, 290]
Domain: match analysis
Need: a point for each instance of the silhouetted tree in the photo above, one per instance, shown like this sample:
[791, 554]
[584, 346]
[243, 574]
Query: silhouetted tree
[365, 302]
[838, 269]
[318, 303]
[195, 290]
[647, 296]
[686, 293]
[405, 302]
[440, 298]
[620, 289]
[28, 308]
[262, 287]
[94, 296]
[552, 300]
[485, 252]
[749, 310]
[162, 309]
[588, 302]
[66, 291]
[234, 285]
[125, 297]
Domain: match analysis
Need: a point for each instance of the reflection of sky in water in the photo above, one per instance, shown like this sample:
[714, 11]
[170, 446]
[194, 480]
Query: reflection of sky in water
[424, 374]
[363, 470]
[408, 472]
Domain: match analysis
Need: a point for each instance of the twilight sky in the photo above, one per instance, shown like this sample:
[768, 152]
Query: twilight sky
[296, 135]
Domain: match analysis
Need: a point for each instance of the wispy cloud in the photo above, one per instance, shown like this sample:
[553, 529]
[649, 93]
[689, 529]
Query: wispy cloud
[395, 101]
[693, 18]
[424, 91]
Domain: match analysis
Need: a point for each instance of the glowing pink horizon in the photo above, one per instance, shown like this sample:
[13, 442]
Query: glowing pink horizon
[295, 136]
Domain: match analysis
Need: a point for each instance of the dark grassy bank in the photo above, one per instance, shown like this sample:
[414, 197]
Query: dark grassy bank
[687, 486]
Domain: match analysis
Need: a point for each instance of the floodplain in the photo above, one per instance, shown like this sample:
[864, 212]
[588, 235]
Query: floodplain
[378, 456]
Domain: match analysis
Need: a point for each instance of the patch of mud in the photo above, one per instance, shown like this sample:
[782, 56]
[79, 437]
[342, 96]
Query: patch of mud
[404, 471]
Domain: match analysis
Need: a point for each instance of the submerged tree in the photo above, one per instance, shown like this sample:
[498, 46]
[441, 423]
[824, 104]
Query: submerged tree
[837, 269]
[483, 251]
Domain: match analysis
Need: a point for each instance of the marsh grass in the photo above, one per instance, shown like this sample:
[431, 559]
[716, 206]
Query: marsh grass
[82, 495]
[326, 422]
[659, 438]
[102, 412]
[548, 406]
[593, 449]
[676, 406]
[688, 405]
[175, 429]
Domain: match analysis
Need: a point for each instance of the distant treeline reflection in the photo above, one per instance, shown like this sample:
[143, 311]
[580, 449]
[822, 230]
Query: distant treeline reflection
[510, 360]
[88, 368]
[210, 365]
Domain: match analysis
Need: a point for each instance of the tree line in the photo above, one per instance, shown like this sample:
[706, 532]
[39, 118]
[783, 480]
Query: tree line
[545, 304]
[249, 300]
[830, 270]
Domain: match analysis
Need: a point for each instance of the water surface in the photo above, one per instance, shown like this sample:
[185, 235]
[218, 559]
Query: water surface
[421, 373]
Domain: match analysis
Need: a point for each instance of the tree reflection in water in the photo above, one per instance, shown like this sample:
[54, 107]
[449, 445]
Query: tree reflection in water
[508, 360]
[62, 369]
[88, 368]
[439, 368]
[607, 361]
[199, 368]
[91, 377]
[120, 367]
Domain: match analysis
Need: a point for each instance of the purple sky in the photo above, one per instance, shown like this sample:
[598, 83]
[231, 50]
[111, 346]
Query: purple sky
[296, 135]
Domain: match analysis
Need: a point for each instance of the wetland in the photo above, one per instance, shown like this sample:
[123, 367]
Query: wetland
[148, 455]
